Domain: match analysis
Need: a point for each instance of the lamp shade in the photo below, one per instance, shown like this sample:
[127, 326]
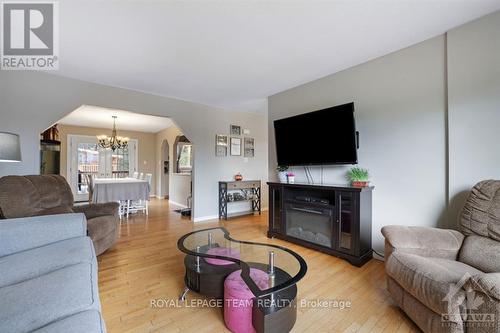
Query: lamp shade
[10, 148]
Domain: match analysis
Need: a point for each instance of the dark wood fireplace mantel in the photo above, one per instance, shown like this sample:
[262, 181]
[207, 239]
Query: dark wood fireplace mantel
[334, 219]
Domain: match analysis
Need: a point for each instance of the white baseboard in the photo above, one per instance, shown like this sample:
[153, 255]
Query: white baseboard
[177, 204]
[211, 218]
[206, 218]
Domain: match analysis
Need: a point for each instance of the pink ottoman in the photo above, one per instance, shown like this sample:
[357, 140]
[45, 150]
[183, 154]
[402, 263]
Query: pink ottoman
[238, 300]
[222, 251]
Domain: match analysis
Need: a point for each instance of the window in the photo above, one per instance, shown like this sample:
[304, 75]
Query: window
[185, 157]
[120, 163]
[183, 150]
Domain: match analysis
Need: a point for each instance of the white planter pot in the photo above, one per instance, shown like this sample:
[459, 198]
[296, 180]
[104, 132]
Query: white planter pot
[291, 179]
[282, 176]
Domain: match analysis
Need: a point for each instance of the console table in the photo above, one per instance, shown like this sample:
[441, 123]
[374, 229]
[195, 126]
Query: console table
[335, 219]
[239, 191]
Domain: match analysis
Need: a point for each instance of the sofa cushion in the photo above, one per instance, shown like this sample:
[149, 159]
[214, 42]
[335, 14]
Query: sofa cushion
[21, 234]
[482, 253]
[18, 197]
[35, 303]
[83, 322]
[29, 264]
[430, 280]
[22, 196]
[481, 212]
[54, 190]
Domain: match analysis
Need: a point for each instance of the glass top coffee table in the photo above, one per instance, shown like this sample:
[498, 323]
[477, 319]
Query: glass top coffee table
[270, 272]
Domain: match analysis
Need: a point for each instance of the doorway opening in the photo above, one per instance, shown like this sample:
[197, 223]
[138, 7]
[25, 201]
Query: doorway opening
[84, 152]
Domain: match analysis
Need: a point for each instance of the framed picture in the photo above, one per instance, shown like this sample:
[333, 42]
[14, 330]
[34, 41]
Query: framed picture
[235, 146]
[235, 130]
[220, 151]
[221, 142]
[249, 147]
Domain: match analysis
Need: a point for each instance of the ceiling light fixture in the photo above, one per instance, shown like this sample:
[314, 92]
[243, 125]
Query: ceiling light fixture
[114, 142]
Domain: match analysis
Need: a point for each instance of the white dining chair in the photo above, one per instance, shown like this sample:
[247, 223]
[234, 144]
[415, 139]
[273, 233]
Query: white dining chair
[141, 176]
[140, 205]
[135, 174]
[90, 186]
[149, 178]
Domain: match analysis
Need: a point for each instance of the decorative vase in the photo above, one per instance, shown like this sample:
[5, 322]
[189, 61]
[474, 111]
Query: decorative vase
[360, 183]
[238, 177]
[291, 179]
[282, 176]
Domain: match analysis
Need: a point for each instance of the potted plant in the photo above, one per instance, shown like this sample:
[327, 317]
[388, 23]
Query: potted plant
[290, 176]
[358, 177]
[282, 170]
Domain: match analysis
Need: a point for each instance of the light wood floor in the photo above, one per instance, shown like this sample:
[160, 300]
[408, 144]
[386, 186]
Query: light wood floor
[146, 265]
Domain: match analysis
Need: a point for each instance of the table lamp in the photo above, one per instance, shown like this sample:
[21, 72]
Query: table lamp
[10, 148]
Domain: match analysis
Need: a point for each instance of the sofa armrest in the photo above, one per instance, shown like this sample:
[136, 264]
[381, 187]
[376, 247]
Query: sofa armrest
[98, 209]
[25, 233]
[424, 241]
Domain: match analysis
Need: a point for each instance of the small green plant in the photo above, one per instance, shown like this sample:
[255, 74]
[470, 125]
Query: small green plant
[282, 168]
[358, 175]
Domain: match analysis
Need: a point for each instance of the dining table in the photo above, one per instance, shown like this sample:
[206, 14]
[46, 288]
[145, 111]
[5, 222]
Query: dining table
[120, 190]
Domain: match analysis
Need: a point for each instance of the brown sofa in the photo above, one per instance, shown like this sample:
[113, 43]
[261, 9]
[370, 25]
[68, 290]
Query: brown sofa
[24, 196]
[445, 280]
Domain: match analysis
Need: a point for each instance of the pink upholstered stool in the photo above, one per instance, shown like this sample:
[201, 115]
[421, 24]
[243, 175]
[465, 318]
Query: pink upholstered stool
[222, 251]
[238, 300]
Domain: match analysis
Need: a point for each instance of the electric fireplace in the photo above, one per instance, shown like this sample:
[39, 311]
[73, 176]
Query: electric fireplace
[334, 219]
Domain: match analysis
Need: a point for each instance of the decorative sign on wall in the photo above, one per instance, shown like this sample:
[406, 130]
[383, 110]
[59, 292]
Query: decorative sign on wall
[235, 146]
[249, 147]
[221, 142]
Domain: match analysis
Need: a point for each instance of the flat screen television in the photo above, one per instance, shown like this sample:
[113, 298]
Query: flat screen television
[322, 137]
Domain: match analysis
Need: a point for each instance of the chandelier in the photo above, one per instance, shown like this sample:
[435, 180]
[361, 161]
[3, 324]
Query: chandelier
[114, 142]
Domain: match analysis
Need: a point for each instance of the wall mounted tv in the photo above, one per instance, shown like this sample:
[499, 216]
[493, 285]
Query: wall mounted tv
[322, 137]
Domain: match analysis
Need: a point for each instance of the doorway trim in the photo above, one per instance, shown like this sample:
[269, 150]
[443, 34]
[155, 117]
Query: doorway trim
[164, 189]
[70, 154]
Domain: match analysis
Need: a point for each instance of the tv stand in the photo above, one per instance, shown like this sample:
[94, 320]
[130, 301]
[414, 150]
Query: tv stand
[334, 219]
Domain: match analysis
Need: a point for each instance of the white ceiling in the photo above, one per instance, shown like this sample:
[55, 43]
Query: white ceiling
[235, 53]
[93, 116]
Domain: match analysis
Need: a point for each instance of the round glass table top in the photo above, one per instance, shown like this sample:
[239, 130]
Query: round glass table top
[214, 246]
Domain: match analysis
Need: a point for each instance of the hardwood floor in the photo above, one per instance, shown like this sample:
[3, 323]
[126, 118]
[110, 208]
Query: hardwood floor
[145, 265]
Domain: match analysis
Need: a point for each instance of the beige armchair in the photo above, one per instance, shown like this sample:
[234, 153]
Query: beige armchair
[24, 196]
[445, 280]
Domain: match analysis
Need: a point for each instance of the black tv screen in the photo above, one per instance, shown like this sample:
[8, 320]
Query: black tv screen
[326, 136]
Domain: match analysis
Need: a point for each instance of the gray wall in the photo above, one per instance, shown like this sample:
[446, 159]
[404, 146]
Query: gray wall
[428, 117]
[400, 104]
[32, 101]
[474, 99]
